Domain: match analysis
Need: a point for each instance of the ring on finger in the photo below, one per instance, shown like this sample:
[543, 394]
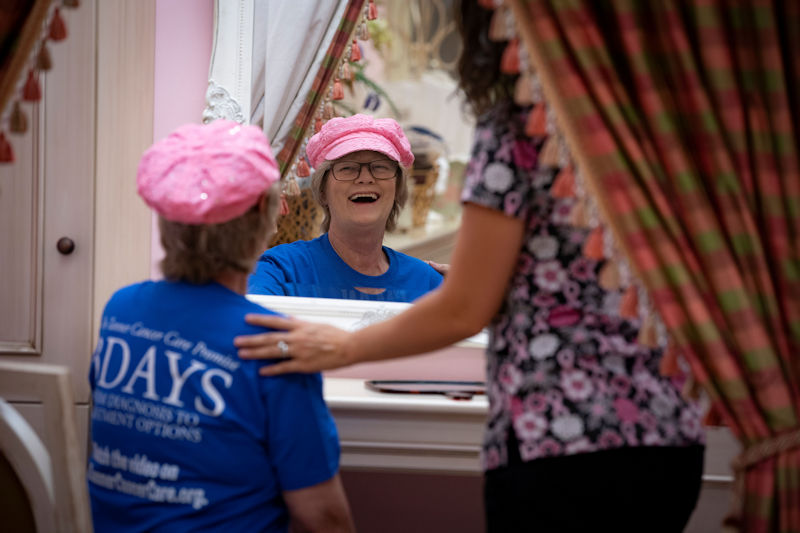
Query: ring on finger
[283, 346]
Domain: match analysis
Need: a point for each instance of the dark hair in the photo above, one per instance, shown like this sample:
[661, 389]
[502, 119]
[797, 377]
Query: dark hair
[479, 63]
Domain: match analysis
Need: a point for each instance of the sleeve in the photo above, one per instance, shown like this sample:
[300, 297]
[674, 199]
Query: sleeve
[267, 278]
[301, 434]
[502, 165]
[96, 360]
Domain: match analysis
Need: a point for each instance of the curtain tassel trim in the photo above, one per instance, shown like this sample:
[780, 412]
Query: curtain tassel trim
[18, 122]
[58, 29]
[355, 52]
[15, 120]
[32, 91]
[510, 60]
[564, 184]
[6, 152]
[536, 126]
[284, 207]
[302, 171]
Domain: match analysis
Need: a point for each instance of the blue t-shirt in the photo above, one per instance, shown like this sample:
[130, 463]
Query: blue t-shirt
[185, 436]
[314, 269]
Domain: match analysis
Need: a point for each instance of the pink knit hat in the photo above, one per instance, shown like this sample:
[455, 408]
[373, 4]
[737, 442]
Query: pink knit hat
[207, 174]
[341, 136]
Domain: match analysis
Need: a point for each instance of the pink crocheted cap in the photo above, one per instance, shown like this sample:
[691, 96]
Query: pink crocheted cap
[344, 135]
[207, 174]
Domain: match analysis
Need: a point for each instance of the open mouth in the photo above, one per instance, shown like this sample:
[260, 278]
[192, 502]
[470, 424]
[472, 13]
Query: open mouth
[364, 197]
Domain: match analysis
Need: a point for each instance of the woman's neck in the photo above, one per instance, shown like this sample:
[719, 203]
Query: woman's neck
[235, 281]
[361, 250]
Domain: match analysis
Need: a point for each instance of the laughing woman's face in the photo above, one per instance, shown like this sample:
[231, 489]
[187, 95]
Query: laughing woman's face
[360, 190]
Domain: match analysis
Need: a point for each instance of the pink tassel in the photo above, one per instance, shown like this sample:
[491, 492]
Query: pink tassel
[537, 122]
[355, 52]
[564, 184]
[338, 92]
[668, 366]
[593, 247]
[284, 209]
[302, 169]
[372, 10]
[6, 152]
[58, 29]
[509, 62]
[32, 91]
[629, 306]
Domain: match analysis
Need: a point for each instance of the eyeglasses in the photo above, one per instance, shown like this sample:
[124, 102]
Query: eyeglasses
[381, 169]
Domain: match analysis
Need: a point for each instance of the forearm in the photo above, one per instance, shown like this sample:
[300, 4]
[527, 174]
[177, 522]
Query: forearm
[485, 254]
[320, 508]
[435, 321]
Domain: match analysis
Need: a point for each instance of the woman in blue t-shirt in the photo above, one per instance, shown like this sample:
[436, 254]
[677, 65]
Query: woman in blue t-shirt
[361, 165]
[185, 436]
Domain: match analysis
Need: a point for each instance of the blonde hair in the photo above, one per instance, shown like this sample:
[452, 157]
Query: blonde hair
[320, 179]
[200, 253]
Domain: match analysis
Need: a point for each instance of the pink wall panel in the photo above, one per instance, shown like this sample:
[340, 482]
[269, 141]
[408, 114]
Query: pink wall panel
[184, 35]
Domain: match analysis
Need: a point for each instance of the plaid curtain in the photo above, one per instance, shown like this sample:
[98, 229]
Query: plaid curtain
[352, 15]
[683, 117]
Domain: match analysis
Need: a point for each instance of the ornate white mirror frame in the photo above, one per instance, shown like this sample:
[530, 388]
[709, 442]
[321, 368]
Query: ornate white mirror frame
[230, 95]
[230, 72]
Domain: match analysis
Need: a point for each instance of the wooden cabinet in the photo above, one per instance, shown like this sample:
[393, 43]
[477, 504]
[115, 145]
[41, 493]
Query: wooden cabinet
[74, 178]
[47, 195]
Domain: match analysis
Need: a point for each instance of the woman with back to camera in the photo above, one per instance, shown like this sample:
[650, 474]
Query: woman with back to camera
[583, 433]
[185, 436]
[361, 166]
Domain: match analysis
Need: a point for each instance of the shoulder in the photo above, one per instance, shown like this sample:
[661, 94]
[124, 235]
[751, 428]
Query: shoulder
[417, 266]
[291, 251]
[286, 249]
[238, 306]
[132, 292]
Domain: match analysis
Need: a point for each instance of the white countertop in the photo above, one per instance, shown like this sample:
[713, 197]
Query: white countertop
[405, 432]
[348, 393]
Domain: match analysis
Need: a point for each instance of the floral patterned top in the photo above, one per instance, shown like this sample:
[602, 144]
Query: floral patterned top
[564, 369]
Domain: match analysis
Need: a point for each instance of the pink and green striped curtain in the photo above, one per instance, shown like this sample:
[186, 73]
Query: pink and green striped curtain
[305, 117]
[684, 117]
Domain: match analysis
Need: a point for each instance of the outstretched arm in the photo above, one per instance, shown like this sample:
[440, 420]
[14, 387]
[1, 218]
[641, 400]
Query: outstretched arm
[483, 261]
